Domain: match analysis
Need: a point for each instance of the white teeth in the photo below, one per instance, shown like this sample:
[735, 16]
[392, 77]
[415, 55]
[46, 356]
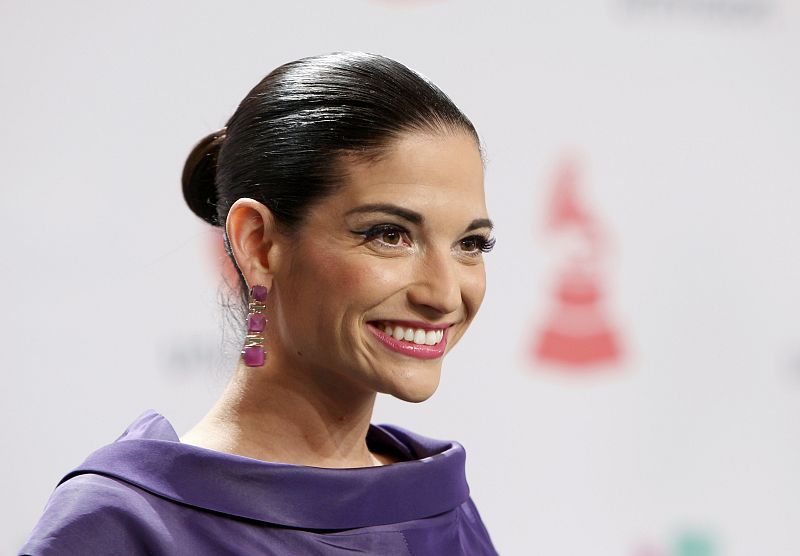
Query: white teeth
[418, 336]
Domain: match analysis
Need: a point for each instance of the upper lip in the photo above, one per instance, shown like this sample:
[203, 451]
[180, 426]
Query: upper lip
[416, 324]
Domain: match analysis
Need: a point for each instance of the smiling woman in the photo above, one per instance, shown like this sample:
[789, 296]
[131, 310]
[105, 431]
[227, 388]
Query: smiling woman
[351, 193]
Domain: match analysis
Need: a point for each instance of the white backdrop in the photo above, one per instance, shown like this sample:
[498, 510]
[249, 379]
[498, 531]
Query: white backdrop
[681, 119]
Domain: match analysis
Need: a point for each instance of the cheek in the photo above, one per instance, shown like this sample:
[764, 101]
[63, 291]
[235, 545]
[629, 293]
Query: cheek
[354, 281]
[473, 289]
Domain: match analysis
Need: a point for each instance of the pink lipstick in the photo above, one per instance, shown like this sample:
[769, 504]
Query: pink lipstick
[411, 349]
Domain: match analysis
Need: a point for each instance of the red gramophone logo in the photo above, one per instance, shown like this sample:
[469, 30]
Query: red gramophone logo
[577, 331]
[221, 260]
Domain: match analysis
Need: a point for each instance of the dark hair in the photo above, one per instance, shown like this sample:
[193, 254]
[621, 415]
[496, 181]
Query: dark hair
[285, 144]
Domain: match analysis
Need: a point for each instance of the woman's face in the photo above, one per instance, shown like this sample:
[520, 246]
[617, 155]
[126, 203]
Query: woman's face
[385, 276]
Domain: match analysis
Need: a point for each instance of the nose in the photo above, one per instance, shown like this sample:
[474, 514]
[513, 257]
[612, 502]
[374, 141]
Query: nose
[436, 288]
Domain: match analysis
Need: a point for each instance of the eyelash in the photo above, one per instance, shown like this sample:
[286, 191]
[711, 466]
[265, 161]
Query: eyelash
[374, 232]
[483, 244]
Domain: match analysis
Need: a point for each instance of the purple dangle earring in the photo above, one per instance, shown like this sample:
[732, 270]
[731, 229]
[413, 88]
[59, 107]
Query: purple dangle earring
[253, 353]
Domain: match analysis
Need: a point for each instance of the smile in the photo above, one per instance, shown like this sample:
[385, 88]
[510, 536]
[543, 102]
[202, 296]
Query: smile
[414, 341]
[420, 336]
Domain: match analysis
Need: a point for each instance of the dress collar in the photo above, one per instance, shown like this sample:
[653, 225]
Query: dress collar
[150, 455]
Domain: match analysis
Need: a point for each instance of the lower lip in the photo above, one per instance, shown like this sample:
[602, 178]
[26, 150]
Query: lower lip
[420, 351]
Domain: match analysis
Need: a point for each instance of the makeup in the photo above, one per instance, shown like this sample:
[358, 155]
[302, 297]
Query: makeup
[410, 348]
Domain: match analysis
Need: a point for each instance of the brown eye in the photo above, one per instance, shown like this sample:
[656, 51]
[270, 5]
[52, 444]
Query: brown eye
[475, 245]
[469, 244]
[386, 235]
[391, 237]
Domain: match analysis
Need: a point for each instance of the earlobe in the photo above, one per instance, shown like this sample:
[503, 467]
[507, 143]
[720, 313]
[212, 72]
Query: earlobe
[251, 231]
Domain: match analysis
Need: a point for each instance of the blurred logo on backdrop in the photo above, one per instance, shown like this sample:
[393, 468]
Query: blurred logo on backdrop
[408, 3]
[710, 10]
[686, 543]
[220, 257]
[577, 333]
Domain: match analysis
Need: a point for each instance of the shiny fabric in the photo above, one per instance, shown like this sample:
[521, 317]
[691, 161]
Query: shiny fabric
[147, 493]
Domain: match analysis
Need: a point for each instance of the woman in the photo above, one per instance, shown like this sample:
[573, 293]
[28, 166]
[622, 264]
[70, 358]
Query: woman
[351, 194]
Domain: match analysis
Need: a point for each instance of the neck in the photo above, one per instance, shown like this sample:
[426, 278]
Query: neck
[280, 414]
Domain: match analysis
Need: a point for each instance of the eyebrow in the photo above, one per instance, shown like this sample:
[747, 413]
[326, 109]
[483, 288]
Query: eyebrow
[387, 208]
[479, 223]
[411, 216]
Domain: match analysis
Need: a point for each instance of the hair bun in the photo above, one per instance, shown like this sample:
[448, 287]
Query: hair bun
[199, 177]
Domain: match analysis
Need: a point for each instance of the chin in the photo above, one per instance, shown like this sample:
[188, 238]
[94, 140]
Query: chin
[415, 389]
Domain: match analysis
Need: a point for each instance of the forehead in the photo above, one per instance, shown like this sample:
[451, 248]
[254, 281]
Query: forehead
[422, 172]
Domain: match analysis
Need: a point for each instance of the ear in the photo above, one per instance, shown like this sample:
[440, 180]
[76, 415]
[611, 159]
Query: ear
[252, 233]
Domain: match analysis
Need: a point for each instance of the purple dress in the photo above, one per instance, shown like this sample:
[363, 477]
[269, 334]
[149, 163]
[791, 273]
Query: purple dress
[147, 493]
